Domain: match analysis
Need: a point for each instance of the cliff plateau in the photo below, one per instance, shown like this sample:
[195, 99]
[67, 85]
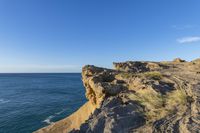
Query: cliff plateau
[137, 97]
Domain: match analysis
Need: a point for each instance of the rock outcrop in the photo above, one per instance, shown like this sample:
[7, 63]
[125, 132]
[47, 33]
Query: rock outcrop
[178, 60]
[138, 97]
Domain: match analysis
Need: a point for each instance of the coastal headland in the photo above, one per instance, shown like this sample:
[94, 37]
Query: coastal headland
[137, 97]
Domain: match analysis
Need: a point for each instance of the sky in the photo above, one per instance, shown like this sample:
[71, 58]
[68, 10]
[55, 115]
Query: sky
[64, 35]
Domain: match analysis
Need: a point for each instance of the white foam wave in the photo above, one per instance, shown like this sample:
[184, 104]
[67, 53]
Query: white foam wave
[48, 119]
[58, 113]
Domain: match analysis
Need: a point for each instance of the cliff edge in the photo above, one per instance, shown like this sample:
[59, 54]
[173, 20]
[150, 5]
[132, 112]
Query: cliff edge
[137, 97]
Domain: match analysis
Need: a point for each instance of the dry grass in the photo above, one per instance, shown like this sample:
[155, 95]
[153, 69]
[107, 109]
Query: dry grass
[176, 100]
[152, 101]
[158, 106]
[153, 75]
[125, 75]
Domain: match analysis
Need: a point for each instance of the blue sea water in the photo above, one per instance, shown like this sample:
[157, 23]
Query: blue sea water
[31, 101]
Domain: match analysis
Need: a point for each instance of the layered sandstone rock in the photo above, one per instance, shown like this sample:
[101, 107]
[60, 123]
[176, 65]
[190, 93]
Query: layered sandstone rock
[142, 97]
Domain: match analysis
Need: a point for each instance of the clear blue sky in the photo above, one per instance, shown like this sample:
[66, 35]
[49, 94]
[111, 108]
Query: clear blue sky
[64, 35]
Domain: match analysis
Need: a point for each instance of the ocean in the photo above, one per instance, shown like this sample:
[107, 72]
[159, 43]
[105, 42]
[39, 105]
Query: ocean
[31, 101]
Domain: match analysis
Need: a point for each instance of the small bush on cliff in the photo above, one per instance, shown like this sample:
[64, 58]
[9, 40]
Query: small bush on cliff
[153, 75]
[125, 75]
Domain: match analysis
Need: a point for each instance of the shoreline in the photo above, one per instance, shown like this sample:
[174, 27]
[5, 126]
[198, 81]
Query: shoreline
[136, 97]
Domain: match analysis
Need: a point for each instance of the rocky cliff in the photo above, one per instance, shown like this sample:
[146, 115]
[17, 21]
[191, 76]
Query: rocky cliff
[138, 97]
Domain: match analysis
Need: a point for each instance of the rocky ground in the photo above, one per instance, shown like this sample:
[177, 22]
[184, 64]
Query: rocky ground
[138, 97]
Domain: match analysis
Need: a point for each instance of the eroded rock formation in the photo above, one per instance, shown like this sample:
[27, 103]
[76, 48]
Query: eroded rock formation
[138, 97]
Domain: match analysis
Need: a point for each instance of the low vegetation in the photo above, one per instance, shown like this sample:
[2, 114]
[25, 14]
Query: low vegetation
[125, 75]
[158, 106]
[153, 75]
[176, 100]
